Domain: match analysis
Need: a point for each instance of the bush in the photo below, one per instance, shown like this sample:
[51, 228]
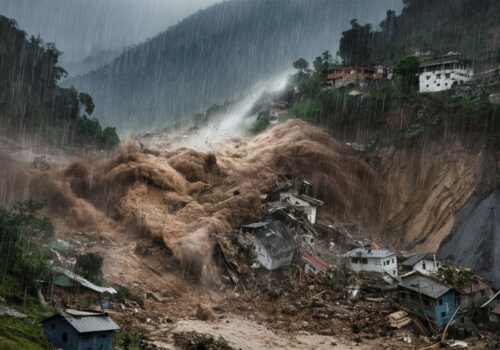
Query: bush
[90, 267]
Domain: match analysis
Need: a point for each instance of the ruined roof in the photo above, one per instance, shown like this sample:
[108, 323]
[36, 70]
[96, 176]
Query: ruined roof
[475, 286]
[424, 285]
[88, 322]
[313, 201]
[411, 261]
[314, 261]
[82, 281]
[369, 253]
[276, 239]
[256, 225]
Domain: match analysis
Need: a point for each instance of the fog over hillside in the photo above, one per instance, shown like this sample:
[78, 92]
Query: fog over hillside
[91, 31]
[218, 54]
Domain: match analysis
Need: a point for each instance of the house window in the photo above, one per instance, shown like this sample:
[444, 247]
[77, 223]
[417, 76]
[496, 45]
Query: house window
[428, 77]
[364, 261]
[483, 293]
[447, 76]
[394, 272]
[445, 84]
[64, 337]
[53, 326]
[423, 266]
[440, 301]
[392, 261]
[438, 84]
[354, 260]
[426, 302]
[443, 314]
[438, 76]
[427, 85]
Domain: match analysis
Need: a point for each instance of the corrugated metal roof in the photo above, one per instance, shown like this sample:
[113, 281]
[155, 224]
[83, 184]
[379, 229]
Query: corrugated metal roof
[411, 261]
[424, 285]
[82, 281]
[88, 324]
[369, 253]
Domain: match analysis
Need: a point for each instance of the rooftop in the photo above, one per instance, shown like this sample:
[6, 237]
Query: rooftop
[87, 322]
[276, 239]
[424, 285]
[312, 260]
[82, 281]
[364, 252]
[411, 261]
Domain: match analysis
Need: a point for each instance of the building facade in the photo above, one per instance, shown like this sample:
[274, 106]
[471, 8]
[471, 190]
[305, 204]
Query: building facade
[442, 73]
[368, 259]
[343, 76]
[426, 262]
[428, 298]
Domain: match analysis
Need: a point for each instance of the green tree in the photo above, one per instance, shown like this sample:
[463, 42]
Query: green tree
[87, 102]
[405, 72]
[301, 65]
[354, 44]
[89, 265]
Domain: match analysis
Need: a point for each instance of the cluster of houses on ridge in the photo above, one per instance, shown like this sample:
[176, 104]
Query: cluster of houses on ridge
[287, 234]
[436, 73]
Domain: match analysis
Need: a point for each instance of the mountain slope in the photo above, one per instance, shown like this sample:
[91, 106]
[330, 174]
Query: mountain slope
[216, 54]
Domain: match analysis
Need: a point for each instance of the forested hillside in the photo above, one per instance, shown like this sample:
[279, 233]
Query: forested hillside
[468, 26]
[216, 54]
[32, 105]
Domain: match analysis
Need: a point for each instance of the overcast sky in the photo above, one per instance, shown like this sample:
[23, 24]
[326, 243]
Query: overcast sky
[80, 27]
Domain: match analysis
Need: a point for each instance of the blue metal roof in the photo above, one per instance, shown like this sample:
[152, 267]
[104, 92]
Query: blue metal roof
[88, 322]
[424, 285]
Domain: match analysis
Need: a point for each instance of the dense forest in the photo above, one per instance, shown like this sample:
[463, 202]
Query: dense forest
[217, 54]
[32, 105]
[471, 27]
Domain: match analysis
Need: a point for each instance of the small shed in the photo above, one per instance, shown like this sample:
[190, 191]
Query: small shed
[273, 246]
[427, 262]
[491, 309]
[80, 330]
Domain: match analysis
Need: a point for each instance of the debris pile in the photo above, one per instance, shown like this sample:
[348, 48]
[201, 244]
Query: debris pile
[195, 341]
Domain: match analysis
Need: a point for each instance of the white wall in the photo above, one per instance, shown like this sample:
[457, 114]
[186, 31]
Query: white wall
[388, 265]
[309, 209]
[434, 79]
[427, 265]
[265, 260]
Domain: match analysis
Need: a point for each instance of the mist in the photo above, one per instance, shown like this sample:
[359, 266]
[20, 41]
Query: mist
[82, 28]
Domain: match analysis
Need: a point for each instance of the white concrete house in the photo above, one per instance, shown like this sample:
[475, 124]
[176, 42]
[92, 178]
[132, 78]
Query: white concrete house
[426, 262]
[307, 204]
[442, 73]
[372, 260]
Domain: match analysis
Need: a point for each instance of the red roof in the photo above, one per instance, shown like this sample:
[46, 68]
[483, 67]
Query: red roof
[312, 260]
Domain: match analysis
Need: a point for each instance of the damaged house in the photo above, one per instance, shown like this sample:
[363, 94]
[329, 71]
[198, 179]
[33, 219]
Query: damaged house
[367, 259]
[270, 243]
[69, 288]
[428, 298]
[293, 194]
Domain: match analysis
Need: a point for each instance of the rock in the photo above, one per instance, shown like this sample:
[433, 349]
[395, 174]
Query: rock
[290, 310]
[204, 313]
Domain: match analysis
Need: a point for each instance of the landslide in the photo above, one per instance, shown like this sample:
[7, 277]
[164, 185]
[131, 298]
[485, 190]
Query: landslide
[183, 196]
[405, 196]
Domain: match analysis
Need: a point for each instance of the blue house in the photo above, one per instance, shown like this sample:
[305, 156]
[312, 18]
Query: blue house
[428, 298]
[80, 330]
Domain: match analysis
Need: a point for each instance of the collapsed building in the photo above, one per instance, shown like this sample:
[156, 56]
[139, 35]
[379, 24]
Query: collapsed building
[290, 215]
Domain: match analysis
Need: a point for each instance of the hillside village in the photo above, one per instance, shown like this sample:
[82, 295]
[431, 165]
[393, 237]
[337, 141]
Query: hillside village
[435, 73]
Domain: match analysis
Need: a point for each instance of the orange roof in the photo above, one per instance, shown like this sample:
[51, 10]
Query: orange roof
[311, 259]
